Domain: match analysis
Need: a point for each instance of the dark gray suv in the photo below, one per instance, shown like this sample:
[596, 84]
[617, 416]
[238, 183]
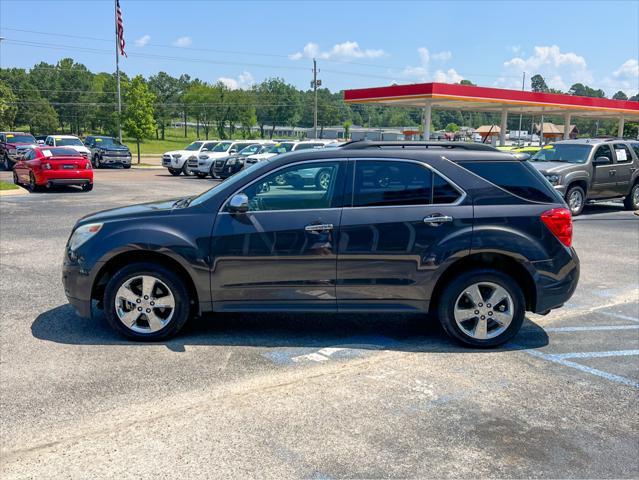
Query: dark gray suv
[470, 234]
[592, 169]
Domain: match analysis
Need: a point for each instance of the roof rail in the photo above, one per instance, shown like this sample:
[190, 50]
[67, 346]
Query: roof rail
[365, 144]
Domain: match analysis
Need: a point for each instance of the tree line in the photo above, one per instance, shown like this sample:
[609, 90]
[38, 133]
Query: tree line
[68, 98]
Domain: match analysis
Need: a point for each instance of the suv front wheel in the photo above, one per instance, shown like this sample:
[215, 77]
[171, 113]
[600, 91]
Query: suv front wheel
[482, 308]
[631, 202]
[146, 302]
[576, 199]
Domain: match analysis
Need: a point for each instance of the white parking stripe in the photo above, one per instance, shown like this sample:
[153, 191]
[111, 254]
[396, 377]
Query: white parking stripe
[619, 315]
[614, 353]
[593, 328]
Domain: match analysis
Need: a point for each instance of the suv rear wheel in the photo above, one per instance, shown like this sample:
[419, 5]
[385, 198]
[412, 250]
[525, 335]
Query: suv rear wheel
[147, 302]
[576, 199]
[482, 308]
[631, 202]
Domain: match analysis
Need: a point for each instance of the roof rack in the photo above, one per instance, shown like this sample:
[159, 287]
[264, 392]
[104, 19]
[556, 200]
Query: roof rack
[364, 144]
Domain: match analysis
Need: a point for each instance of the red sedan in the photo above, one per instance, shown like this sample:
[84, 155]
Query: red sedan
[50, 166]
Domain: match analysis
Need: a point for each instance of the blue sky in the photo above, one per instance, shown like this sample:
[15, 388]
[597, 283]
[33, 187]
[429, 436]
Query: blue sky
[358, 44]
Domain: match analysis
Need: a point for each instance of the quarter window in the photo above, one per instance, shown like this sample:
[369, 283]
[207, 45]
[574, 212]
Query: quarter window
[443, 192]
[391, 183]
[299, 187]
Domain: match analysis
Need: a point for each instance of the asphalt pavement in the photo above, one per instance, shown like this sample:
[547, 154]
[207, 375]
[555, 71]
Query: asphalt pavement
[312, 396]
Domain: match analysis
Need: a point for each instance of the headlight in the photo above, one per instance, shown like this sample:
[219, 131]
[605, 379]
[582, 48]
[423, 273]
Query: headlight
[553, 179]
[82, 234]
[232, 161]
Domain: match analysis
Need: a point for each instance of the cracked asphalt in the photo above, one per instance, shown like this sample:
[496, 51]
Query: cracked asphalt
[309, 396]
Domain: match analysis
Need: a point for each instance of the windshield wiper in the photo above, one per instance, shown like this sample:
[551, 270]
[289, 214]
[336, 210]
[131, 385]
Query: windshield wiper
[182, 202]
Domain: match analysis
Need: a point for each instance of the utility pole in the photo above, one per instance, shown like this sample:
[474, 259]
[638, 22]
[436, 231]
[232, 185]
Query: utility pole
[315, 83]
[523, 86]
[117, 72]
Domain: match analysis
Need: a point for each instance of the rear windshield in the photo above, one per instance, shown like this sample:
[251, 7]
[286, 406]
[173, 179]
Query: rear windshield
[60, 152]
[518, 178]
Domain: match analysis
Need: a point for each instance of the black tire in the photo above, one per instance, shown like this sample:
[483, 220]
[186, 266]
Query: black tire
[95, 162]
[452, 292]
[323, 179]
[185, 170]
[16, 180]
[201, 175]
[32, 186]
[8, 166]
[174, 172]
[87, 187]
[631, 202]
[212, 171]
[576, 199]
[171, 280]
[127, 166]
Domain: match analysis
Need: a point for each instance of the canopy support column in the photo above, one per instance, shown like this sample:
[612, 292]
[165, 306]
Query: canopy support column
[502, 127]
[426, 119]
[567, 119]
[621, 125]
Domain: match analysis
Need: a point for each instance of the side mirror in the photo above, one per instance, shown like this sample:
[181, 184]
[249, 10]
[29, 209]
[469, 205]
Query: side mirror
[239, 203]
[233, 151]
[601, 161]
[40, 142]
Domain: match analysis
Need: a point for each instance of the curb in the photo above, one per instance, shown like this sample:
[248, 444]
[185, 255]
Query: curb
[13, 192]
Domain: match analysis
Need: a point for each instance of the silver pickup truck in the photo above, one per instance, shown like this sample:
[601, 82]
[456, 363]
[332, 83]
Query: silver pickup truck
[590, 169]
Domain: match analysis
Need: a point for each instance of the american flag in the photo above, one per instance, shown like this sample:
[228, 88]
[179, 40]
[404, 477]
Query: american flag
[119, 27]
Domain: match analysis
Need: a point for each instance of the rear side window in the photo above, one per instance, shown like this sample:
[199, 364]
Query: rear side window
[623, 153]
[635, 147]
[518, 178]
[391, 183]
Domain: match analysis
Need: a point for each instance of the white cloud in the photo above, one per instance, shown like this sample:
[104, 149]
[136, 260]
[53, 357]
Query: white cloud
[448, 76]
[183, 42]
[559, 69]
[341, 51]
[443, 56]
[243, 81]
[142, 41]
[629, 69]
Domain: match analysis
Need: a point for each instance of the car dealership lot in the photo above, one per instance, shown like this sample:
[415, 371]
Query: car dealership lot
[309, 396]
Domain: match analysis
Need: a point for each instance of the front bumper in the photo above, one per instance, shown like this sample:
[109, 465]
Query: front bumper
[64, 177]
[561, 189]
[115, 159]
[78, 284]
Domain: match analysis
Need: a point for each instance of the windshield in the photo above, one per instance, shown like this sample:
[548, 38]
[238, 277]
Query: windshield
[20, 138]
[250, 149]
[194, 146]
[563, 152]
[107, 142]
[208, 147]
[234, 180]
[280, 148]
[67, 142]
[222, 147]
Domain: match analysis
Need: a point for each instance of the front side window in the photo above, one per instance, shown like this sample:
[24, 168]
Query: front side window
[251, 149]
[604, 151]
[299, 187]
[623, 153]
[635, 147]
[193, 147]
[281, 148]
[391, 183]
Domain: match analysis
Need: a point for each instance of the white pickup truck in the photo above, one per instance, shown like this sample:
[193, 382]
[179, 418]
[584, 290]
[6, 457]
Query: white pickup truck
[177, 160]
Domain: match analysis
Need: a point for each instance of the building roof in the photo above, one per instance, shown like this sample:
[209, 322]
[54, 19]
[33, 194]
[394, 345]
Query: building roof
[488, 129]
[472, 98]
[550, 129]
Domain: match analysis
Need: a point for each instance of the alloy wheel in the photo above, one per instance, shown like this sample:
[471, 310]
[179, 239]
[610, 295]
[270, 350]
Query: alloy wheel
[144, 304]
[635, 197]
[484, 310]
[575, 200]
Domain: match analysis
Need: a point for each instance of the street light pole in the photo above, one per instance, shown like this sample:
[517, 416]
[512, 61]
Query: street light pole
[315, 100]
[523, 86]
[117, 72]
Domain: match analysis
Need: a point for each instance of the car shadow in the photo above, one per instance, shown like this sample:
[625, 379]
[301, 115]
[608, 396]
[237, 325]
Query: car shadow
[410, 333]
[54, 189]
[594, 209]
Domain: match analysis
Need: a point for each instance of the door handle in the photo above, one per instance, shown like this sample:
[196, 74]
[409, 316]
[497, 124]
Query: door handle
[319, 228]
[436, 219]
[612, 173]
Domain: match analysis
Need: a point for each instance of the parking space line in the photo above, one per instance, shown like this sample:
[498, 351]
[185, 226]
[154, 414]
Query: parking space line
[584, 368]
[615, 353]
[593, 328]
[619, 315]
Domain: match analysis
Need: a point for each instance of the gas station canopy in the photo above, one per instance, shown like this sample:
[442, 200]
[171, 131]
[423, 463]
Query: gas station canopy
[447, 96]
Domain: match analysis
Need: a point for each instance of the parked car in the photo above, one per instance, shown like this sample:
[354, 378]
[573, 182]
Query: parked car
[461, 230]
[108, 151]
[212, 162]
[176, 161]
[592, 169]
[69, 141]
[44, 166]
[40, 139]
[12, 145]
[235, 163]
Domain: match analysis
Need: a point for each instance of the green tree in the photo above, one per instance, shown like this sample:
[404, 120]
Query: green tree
[452, 127]
[166, 90]
[538, 84]
[347, 129]
[620, 96]
[467, 82]
[278, 104]
[138, 121]
[582, 90]
[8, 107]
[73, 84]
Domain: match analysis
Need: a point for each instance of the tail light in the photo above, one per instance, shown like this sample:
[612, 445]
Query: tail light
[559, 222]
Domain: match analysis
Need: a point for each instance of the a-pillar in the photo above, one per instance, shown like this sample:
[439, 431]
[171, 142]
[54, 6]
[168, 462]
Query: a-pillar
[502, 127]
[426, 118]
[567, 119]
[620, 131]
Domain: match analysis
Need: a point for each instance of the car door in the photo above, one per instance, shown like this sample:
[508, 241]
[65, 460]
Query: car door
[403, 225]
[281, 254]
[604, 183]
[624, 166]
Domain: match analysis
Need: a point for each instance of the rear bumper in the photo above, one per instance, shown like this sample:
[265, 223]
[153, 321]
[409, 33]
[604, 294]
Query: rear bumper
[64, 177]
[555, 289]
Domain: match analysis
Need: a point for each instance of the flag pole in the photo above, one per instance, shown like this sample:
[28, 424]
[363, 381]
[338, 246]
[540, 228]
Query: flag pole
[117, 70]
